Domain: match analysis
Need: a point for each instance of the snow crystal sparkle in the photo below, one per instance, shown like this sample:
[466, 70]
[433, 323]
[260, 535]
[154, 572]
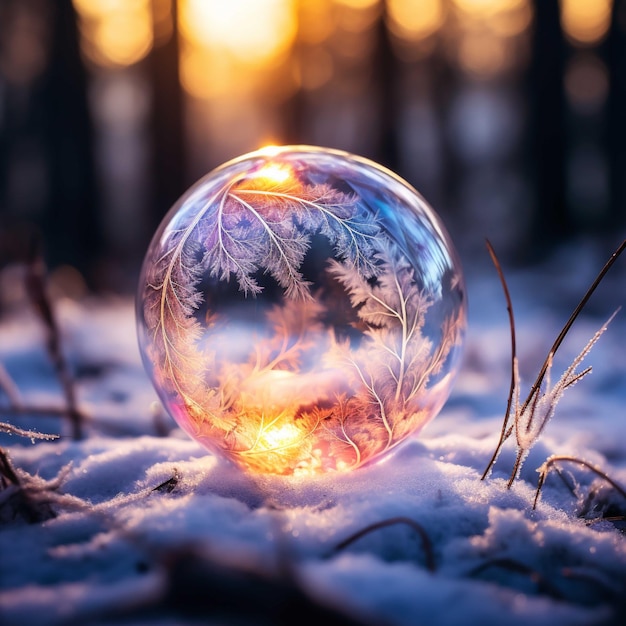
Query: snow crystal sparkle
[301, 310]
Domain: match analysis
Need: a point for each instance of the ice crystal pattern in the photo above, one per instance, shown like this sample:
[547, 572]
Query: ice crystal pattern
[301, 310]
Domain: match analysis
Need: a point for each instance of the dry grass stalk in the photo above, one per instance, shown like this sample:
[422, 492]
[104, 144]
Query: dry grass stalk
[506, 430]
[427, 545]
[9, 388]
[36, 290]
[544, 470]
[529, 419]
[25, 496]
[7, 473]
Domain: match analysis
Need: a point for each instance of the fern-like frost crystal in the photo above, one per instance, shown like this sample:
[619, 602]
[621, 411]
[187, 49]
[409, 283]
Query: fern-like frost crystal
[301, 310]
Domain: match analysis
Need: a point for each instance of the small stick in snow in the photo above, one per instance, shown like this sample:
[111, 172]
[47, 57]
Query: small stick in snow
[610, 518]
[35, 287]
[170, 484]
[544, 470]
[7, 473]
[427, 545]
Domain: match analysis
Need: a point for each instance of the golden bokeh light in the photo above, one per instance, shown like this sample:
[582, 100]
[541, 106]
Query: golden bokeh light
[586, 21]
[316, 21]
[487, 42]
[359, 4]
[513, 21]
[487, 8]
[115, 32]
[226, 46]
[253, 31]
[204, 74]
[414, 20]
[482, 56]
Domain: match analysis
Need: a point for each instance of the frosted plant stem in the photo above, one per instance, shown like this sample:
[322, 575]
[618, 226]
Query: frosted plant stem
[35, 283]
[544, 470]
[20, 432]
[559, 340]
[547, 400]
[516, 467]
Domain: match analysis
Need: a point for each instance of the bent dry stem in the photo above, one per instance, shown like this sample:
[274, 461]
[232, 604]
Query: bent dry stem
[530, 419]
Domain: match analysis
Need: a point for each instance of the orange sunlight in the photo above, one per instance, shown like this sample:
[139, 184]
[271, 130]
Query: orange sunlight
[115, 32]
[223, 41]
[414, 20]
[586, 21]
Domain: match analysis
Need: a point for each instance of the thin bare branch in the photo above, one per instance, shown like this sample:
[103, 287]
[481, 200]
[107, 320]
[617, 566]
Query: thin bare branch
[9, 388]
[544, 470]
[504, 434]
[36, 289]
[559, 340]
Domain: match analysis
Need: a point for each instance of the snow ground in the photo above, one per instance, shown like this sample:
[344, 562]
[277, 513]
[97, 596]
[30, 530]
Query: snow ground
[121, 551]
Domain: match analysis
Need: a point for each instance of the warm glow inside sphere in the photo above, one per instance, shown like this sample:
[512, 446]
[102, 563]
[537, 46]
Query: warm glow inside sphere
[301, 310]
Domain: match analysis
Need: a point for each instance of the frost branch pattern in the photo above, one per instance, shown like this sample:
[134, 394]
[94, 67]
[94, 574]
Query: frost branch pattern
[303, 396]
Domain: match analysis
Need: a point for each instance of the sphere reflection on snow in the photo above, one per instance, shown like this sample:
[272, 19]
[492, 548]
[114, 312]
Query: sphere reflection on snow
[301, 310]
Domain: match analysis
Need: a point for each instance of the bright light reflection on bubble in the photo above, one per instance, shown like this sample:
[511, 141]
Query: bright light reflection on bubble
[301, 310]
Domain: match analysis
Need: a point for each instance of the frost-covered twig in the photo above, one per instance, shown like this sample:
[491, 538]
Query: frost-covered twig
[530, 418]
[544, 470]
[20, 432]
[7, 473]
[27, 496]
[581, 305]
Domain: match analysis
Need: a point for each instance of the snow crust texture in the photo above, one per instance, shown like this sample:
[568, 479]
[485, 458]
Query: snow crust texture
[150, 529]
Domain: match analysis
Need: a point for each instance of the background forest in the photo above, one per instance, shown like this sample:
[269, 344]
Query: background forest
[508, 115]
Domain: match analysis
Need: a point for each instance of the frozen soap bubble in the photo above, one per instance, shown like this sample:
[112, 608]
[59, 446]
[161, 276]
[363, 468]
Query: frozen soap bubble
[301, 310]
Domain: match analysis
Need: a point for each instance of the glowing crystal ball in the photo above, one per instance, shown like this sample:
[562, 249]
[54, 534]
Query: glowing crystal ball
[301, 310]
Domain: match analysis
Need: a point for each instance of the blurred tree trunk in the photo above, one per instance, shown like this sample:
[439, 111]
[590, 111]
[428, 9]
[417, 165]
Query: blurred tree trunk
[385, 85]
[551, 222]
[167, 129]
[47, 177]
[616, 126]
[70, 222]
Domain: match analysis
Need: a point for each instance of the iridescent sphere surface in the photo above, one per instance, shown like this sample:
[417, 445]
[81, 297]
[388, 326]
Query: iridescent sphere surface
[301, 310]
